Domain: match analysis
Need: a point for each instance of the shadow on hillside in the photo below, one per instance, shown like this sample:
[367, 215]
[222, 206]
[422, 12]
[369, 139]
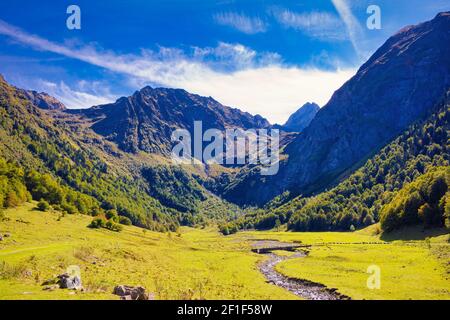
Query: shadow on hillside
[414, 233]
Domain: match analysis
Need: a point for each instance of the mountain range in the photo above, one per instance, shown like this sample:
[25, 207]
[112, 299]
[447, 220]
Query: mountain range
[117, 156]
[146, 120]
[398, 85]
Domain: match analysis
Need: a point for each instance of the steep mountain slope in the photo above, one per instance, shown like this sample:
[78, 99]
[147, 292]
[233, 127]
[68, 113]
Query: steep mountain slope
[359, 200]
[71, 169]
[146, 120]
[299, 120]
[55, 156]
[398, 85]
[43, 100]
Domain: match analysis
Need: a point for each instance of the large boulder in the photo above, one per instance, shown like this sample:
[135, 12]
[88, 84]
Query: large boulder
[70, 282]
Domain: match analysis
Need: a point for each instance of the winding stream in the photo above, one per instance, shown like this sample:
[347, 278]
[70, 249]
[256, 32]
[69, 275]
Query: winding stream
[302, 288]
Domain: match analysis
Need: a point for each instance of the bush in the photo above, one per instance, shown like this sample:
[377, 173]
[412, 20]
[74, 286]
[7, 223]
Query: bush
[112, 215]
[43, 205]
[110, 225]
[125, 221]
[98, 223]
[69, 208]
[224, 230]
[12, 200]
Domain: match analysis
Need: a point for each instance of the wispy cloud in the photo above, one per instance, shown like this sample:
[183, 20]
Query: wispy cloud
[354, 29]
[261, 83]
[321, 25]
[241, 22]
[87, 94]
[233, 56]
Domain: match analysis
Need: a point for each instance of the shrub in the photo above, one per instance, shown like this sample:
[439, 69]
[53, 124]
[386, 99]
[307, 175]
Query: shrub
[110, 225]
[69, 208]
[112, 215]
[16, 271]
[97, 223]
[12, 200]
[224, 230]
[125, 221]
[43, 205]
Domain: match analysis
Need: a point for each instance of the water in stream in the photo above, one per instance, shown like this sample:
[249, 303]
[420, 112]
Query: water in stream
[305, 289]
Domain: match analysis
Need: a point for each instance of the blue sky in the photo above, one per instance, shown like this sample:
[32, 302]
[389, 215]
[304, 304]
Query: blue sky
[265, 57]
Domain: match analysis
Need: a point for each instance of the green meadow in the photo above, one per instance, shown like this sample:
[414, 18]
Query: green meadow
[204, 264]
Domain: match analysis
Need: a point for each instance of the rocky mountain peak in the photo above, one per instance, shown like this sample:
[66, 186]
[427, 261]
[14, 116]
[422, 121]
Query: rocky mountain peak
[44, 100]
[399, 85]
[301, 119]
[146, 120]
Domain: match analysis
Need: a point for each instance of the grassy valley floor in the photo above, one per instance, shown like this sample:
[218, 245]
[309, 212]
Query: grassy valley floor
[203, 264]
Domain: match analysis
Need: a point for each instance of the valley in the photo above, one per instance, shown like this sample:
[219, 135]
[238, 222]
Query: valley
[357, 207]
[203, 264]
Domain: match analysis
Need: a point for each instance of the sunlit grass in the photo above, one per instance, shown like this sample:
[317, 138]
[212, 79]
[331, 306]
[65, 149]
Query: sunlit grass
[192, 264]
[413, 269]
[203, 264]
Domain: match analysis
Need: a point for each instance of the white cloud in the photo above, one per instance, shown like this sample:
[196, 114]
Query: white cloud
[241, 22]
[73, 98]
[321, 25]
[262, 84]
[274, 92]
[354, 29]
[231, 57]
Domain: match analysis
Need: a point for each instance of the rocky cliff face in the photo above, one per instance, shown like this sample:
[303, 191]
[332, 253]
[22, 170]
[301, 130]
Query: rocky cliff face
[397, 86]
[39, 99]
[146, 120]
[301, 119]
[43, 100]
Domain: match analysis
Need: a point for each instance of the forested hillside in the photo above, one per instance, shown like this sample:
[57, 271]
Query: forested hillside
[66, 172]
[358, 200]
[397, 86]
[53, 156]
[425, 201]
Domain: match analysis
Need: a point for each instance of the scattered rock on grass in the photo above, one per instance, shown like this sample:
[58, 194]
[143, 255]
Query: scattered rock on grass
[51, 287]
[132, 293]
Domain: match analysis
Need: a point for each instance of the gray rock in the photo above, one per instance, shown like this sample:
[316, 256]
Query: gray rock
[68, 282]
[132, 293]
[120, 290]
